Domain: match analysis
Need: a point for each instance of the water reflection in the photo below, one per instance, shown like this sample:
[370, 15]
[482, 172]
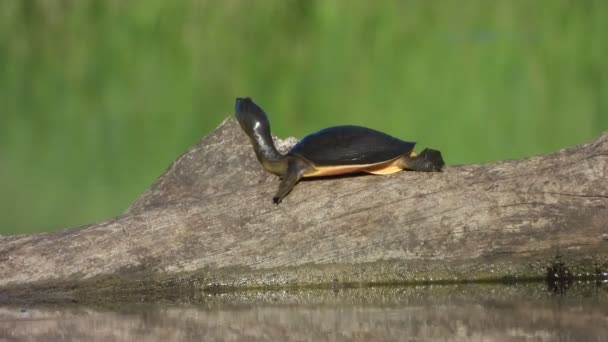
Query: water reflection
[446, 313]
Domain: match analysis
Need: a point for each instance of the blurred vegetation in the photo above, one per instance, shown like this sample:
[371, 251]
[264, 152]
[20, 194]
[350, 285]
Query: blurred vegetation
[98, 97]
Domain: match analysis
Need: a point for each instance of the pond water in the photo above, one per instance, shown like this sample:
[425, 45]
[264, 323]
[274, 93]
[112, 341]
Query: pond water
[487, 312]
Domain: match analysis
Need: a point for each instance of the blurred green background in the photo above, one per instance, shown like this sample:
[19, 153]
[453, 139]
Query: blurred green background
[97, 98]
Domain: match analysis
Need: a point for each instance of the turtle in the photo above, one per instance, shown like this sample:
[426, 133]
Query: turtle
[337, 150]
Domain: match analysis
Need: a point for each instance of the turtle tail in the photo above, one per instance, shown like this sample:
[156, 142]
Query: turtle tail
[428, 160]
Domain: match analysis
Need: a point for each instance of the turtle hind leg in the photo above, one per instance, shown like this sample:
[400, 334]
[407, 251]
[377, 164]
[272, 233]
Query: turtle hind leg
[428, 160]
[295, 170]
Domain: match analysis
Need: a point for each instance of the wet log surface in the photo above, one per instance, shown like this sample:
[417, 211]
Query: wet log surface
[438, 313]
[209, 223]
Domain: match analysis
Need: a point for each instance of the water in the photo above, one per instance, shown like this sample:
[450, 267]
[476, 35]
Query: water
[525, 312]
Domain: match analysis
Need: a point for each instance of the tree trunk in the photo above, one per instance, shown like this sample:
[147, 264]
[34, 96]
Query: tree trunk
[209, 223]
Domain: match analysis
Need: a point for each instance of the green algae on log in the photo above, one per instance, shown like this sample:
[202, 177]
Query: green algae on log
[209, 223]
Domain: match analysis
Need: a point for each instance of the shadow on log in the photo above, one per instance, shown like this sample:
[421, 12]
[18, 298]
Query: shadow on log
[209, 223]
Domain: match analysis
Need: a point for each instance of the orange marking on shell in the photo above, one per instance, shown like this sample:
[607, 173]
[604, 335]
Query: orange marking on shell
[385, 168]
[335, 170]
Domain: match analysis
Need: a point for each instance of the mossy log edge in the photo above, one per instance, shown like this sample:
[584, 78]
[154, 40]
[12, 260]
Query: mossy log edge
[208, 225]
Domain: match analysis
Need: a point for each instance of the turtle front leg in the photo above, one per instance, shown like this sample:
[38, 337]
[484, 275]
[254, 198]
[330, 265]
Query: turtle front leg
[295, 170]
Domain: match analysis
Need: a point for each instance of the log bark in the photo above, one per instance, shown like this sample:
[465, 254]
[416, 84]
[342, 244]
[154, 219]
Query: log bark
[209, 223]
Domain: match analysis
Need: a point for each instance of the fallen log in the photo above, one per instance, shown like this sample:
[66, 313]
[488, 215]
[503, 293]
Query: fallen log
[208, 223]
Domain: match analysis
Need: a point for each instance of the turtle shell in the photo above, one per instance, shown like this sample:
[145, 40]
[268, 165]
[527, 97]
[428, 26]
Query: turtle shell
[350, 145]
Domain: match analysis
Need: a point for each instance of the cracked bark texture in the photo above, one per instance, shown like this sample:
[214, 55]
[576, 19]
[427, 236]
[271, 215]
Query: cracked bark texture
[209, 221]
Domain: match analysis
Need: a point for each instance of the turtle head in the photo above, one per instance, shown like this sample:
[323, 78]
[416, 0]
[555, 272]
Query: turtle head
[254, 123]
[251, 117]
